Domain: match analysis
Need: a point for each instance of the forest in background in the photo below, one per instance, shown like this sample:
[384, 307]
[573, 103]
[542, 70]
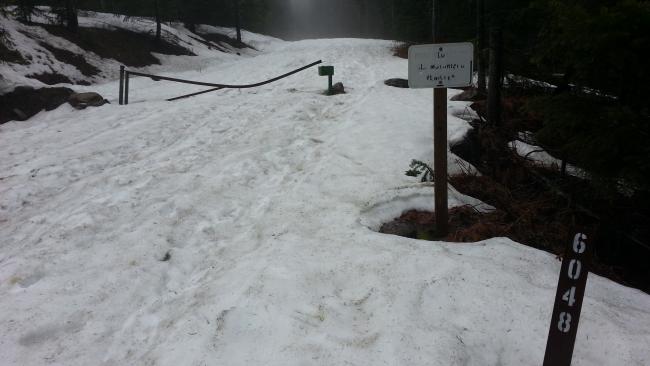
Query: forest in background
[541, 37]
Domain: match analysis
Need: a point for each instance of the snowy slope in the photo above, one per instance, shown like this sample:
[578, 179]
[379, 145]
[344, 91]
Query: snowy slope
[265, 200]
[27, 40]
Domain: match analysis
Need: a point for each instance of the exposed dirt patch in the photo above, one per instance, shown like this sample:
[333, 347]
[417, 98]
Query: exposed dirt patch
[536, 206]
[397, 83]
[72, 58]
[544, 207]
[127, 47]
[465, 225]
[337, 89]
[50, 78]
[540, 207]
[8, 54]
[401, 50]
[209, 44]
[530, 216]
[25, 102]
[224, 39]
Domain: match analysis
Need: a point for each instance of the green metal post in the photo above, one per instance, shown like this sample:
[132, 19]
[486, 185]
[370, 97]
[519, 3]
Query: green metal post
[329, 84]
[121, 98]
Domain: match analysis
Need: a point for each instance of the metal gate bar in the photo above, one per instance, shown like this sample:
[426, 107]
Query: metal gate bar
[124, 82]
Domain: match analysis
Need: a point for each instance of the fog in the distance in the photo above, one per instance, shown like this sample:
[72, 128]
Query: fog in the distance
[301, 19]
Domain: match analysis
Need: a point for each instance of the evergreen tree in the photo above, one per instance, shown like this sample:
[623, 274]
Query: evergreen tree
[603, 122]
[66, 13]
[480, 45]
[237, 20]
[158, 16]
[72, 22]
[605, 45]
[24, 9]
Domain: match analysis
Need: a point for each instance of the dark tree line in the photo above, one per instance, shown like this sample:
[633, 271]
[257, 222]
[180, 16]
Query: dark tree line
[594, 51]
[577, 37]
[190, 12]
[64, 10]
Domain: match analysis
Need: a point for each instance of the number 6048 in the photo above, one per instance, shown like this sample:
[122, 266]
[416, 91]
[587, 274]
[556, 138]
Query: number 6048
[573, 272]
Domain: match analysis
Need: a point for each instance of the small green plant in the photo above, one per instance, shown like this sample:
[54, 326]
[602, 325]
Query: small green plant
[420, 168]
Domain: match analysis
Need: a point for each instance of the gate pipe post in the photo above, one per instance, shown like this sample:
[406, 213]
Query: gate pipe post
[329, 85]
[121, 93]
[126, 87]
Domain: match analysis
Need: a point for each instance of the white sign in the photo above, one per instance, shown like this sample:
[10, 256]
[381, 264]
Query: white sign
[443, 65]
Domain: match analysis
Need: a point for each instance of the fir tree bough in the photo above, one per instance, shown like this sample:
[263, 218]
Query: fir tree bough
[419, 167]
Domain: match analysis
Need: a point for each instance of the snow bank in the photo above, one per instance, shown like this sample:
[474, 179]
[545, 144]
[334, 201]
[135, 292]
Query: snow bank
[259, 197]
[540, 157]
[395, 202]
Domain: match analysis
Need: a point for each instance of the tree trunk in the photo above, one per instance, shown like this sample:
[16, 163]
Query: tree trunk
[480, 44]
[237, 21]
[496, 71]
[71, 15]
[434, 25]
[25, 9]
[393, 27]
[158, 21]
[363, 18]
[564, 85]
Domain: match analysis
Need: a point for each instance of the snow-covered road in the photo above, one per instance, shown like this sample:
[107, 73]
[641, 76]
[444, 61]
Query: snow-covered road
[265, 200]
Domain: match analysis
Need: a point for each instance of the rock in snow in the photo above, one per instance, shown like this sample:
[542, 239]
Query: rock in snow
[397, 83]
[84, 100]
[338, 88]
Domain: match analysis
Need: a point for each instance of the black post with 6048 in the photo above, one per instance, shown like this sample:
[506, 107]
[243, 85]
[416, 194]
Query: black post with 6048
[568, 301]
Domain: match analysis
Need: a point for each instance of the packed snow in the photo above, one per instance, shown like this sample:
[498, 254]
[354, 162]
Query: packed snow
[238, 228]
[540, 157]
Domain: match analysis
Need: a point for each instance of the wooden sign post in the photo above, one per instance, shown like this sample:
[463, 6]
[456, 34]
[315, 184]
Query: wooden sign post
[568, 302]
[440, 66]
[440, 160]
